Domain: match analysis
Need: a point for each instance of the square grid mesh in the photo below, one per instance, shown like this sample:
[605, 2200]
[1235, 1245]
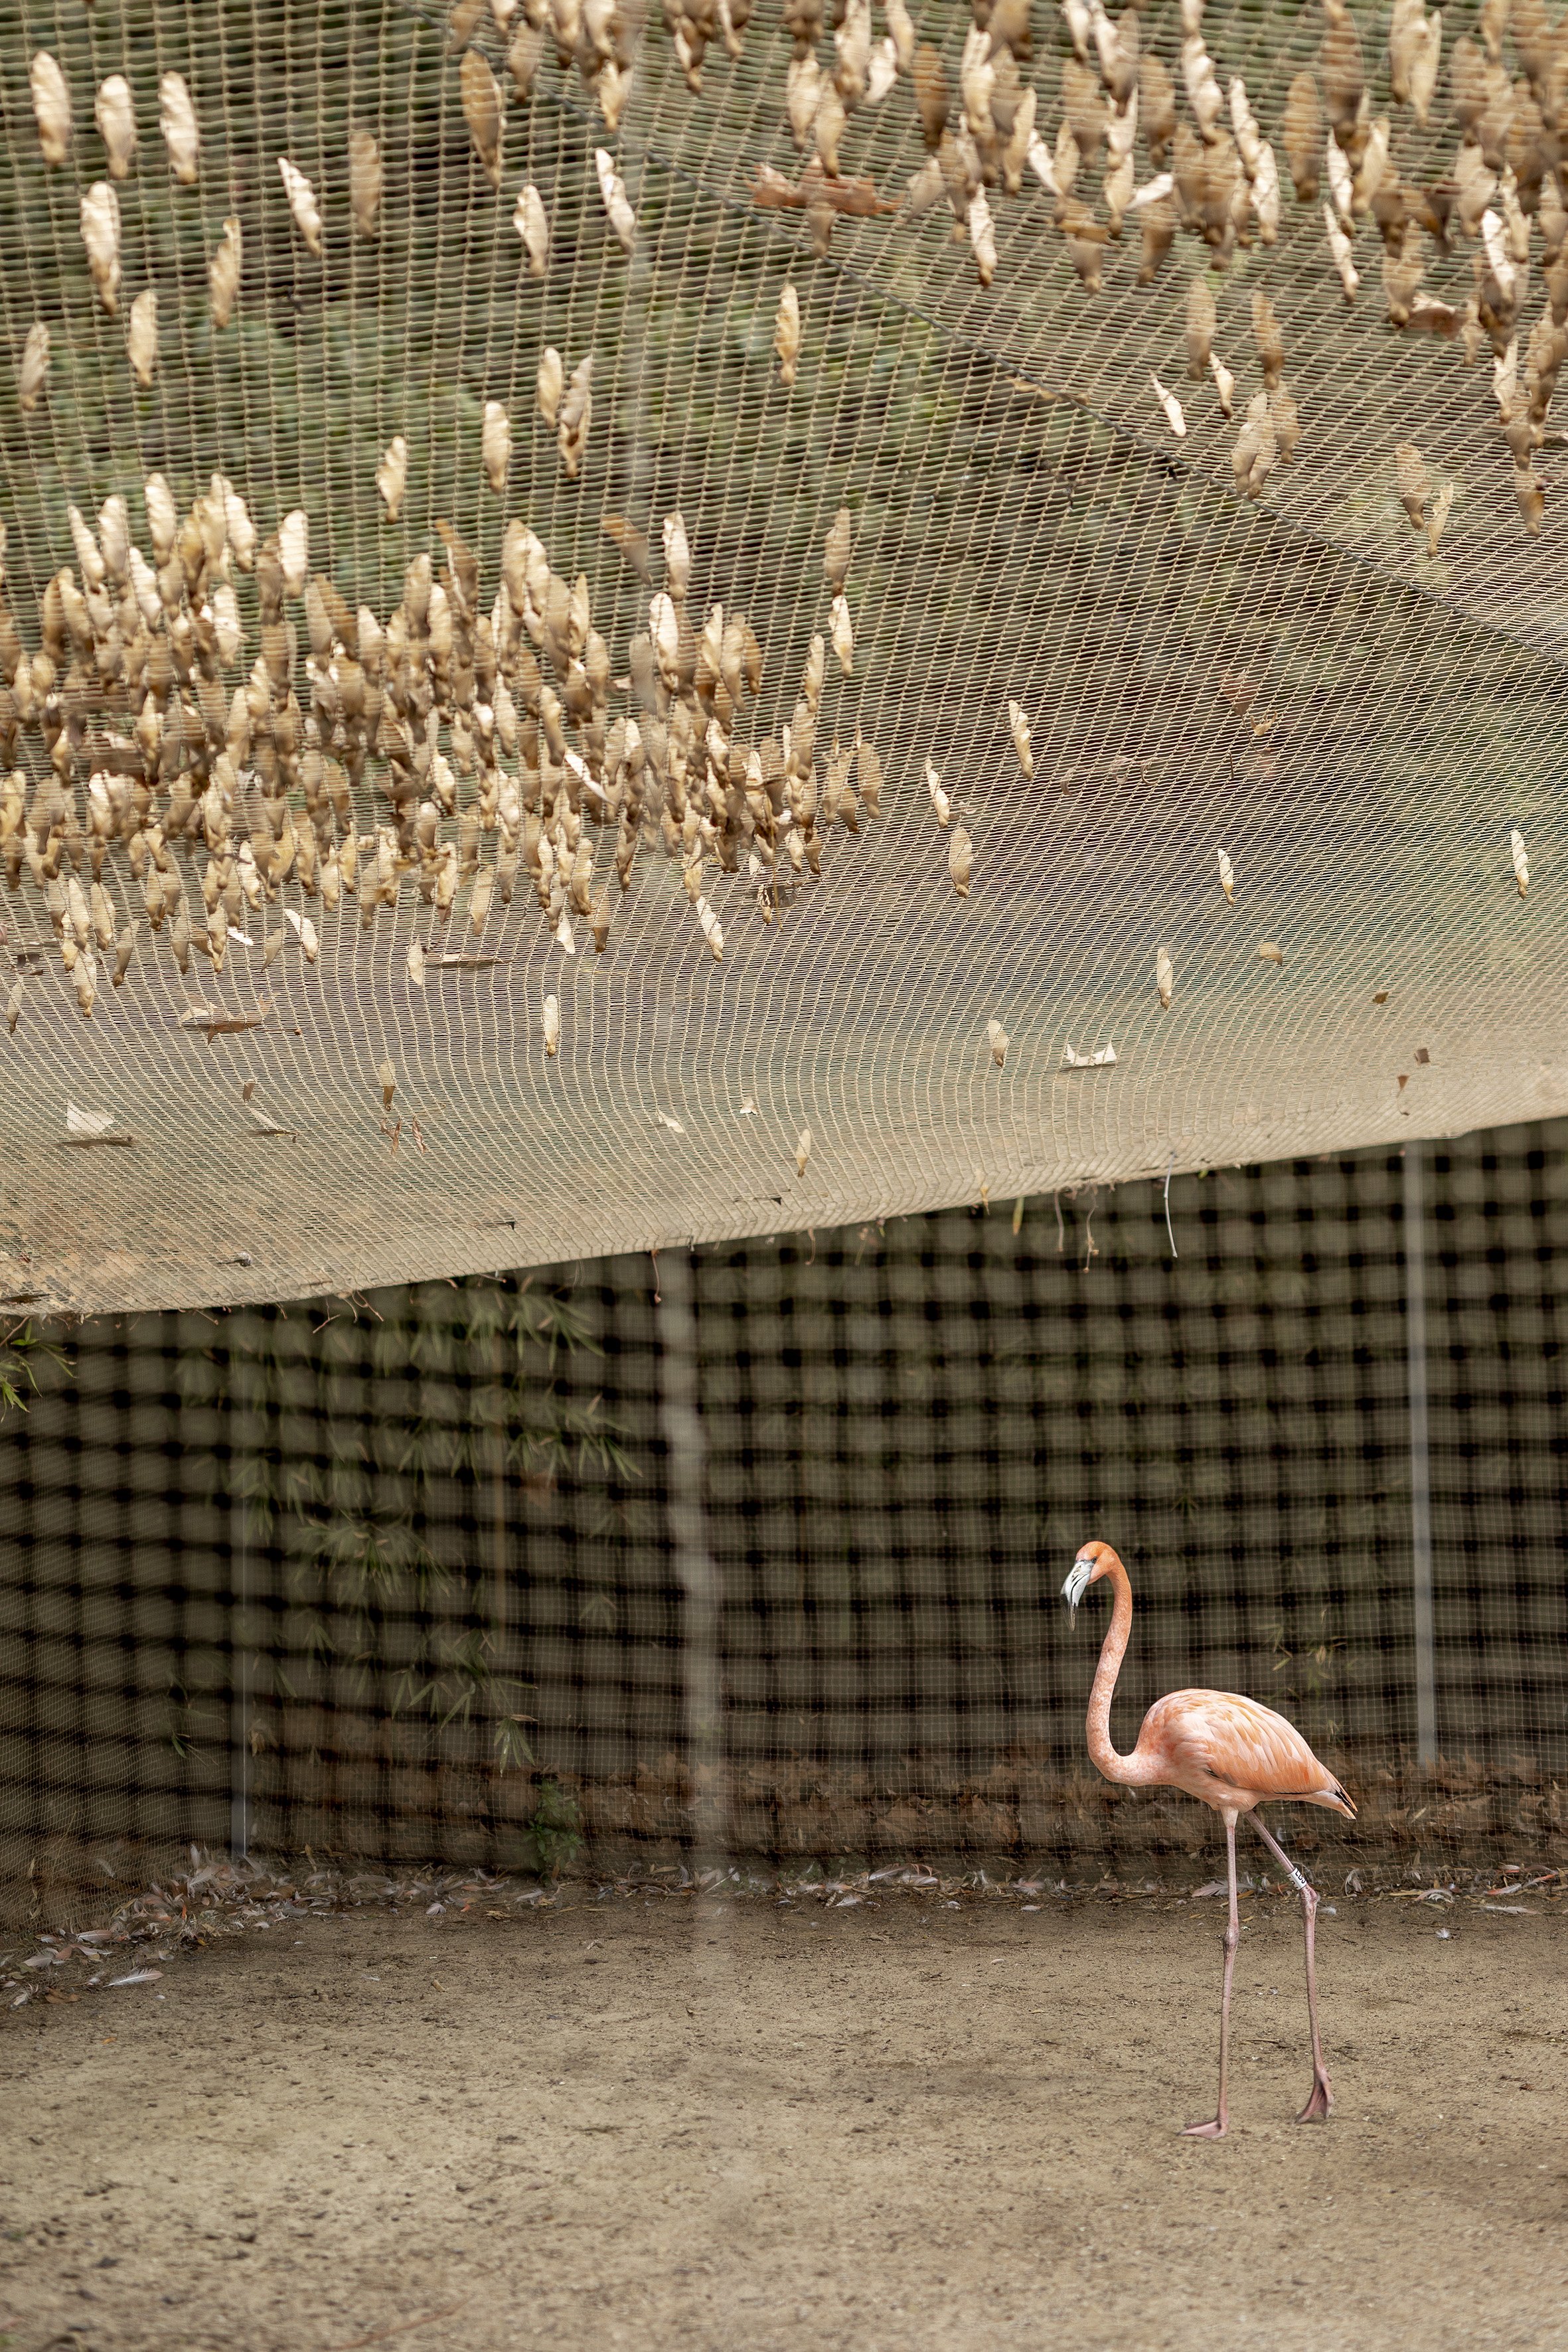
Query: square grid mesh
[399, 1577]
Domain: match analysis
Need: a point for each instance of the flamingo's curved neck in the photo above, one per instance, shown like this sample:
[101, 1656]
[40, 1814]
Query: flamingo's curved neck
[1112, 1650]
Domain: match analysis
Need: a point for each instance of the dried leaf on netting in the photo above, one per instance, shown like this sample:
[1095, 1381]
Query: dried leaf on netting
[574, 415]
[1343, 253]
[238, 523]
[1411, 481]
[1023, 742]
[13, 1007]
[930, 93]
[482, 109]
[1084, 106]
[392, 476]
[1174, 417]
[836, 551]
[1257, 449]
[712, 930]
[843, 634]
[998, 1040]
[264, 1123]
[115, 115]
[91, 1127]
[1158, 234]
[1104, 1059]
[786, 334]
[1164, 977]
[551, 1027]
[51, 107]
[141, 336]
[1268, 951]
[1441, 506]
[388, 1078]
[868, 774]
[983, 237]
[618, 205]
[1521, 862]
[304, 931]
[1303, 135]
[1226, 877]
[1343, 74]
[103, 922]
[939, 798]
[1414, 51]
[1156, 105]
[366, 181]
[294, 551]
[677, 557]
[177, 121]
[223, 273]
[960, 859]
[301, 204]
[802, 1151]
[524, 56]
[1531, 492]
[1201, 320]
[32, 375]
[1225, 385]
[495, 445]
[532, 225]
[100, 215]
[631, 543]
[461, 19]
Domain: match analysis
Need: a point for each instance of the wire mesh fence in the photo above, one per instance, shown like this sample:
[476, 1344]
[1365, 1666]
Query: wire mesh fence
[755, 1550]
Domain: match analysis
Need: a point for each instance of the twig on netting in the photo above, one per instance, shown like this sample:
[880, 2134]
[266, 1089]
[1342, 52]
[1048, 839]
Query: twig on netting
[1090, 1246]
[1169, 1234]
[401, 2327]
[1018, 1214]
[657, 1298]
[1061, 1230]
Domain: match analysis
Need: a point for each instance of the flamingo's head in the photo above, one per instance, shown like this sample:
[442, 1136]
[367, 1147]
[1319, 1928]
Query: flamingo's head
[1094, 1559]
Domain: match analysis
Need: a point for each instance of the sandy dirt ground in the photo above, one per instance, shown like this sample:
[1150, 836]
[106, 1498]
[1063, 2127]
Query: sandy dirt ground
[677, 2123]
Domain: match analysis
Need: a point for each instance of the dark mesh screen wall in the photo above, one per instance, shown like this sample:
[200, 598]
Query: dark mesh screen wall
[402, 1577]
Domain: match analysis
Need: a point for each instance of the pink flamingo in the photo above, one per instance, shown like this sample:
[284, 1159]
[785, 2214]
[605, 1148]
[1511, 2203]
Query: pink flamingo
[1229, 1753]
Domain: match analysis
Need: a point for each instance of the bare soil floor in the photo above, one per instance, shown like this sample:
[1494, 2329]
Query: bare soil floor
[674, 2122]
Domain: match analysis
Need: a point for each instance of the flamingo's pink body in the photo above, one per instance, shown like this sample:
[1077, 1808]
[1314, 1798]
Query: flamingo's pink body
[1228, 1752]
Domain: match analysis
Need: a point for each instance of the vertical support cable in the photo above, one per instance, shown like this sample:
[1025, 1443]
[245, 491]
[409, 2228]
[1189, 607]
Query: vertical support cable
[680, 1425]
[239, 1657]
[1420, 1460]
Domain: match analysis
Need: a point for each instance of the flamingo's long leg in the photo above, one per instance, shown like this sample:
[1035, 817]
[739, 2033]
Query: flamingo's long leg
[1321, 2099]
[1217, 2129]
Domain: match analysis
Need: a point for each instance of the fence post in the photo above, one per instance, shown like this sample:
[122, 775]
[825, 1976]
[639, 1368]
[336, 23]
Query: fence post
[1420, 1460]
[239, 1655]
[686, 1477]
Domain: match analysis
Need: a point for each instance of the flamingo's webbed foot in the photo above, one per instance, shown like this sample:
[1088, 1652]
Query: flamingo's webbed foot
[1319, 2105]
[1215, 2130]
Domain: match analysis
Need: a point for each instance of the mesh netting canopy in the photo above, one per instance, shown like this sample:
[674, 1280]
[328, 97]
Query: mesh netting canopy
[622, 629]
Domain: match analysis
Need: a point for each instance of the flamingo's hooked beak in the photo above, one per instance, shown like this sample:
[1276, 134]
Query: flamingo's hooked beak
[1078, 1583]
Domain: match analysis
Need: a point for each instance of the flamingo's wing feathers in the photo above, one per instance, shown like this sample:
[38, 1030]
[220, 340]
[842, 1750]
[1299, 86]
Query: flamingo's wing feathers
[1237, 1742]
